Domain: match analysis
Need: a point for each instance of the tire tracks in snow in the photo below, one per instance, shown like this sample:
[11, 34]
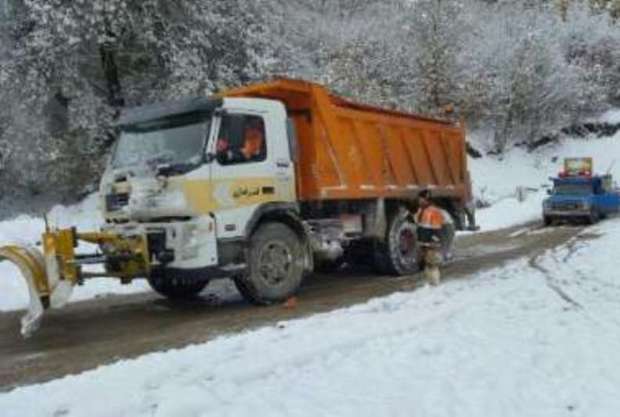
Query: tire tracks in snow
[572, 247]
[551, 282]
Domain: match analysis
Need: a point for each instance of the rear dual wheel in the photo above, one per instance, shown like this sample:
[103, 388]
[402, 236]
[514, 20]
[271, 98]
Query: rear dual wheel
[398, 254]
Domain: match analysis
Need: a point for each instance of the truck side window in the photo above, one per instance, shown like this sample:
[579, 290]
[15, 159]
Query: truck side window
[241, 140]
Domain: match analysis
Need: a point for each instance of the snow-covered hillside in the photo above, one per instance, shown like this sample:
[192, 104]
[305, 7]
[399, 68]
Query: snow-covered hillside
[537, 337]
[496, 180]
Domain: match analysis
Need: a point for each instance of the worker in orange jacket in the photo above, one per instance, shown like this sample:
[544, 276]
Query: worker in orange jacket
[430, 221]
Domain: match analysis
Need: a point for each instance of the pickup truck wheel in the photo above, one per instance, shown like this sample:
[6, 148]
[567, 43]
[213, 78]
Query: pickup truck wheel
[177, 288]
[398, 254]
[594, 216]
[275, 265]
[547, 221]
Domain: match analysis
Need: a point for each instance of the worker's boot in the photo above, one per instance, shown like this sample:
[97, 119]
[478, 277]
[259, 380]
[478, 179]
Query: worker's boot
[432, 275]
[431, 271]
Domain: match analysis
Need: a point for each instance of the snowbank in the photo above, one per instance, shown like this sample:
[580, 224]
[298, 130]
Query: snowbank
[537, 338]
[27, 230]
[496, 180]
[611, 117]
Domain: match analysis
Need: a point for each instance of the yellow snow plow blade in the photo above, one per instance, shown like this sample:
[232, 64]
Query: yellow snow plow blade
[31, 264]
[52, 274]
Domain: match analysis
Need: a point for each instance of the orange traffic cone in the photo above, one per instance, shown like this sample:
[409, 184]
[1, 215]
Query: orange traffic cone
[290, 303]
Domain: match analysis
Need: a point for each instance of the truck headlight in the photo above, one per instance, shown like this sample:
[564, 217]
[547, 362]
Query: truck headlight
[193, 239]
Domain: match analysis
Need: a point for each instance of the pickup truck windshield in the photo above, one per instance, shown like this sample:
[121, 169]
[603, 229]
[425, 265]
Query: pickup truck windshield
[174, 144]
[572, 189]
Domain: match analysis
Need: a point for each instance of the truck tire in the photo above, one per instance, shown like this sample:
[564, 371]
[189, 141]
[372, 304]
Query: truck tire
[594, 216]
[275, 265]
[398, 254]
[547, 220]
[177, 288]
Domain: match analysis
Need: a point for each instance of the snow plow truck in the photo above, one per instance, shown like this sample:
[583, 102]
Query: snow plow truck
[261, 184]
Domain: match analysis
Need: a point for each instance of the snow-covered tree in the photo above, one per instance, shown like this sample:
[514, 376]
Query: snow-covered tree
[517, 69]
[437, 32]
[75, 64]
[519, 82]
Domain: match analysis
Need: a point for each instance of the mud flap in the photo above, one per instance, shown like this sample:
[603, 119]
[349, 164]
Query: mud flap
[44, 285]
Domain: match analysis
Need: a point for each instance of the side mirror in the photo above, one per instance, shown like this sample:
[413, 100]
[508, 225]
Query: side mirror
[549, 192]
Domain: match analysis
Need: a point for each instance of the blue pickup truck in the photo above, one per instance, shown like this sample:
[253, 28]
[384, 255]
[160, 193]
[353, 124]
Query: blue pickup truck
[581, 197]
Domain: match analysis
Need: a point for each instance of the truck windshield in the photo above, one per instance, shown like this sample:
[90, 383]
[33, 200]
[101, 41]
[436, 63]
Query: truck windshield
[169, 143]
[572, 189]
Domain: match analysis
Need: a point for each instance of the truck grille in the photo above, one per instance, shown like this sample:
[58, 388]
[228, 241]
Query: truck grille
[566, 206]
[115, 202]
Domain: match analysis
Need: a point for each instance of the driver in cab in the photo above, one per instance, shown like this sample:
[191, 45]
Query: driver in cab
[251, 150]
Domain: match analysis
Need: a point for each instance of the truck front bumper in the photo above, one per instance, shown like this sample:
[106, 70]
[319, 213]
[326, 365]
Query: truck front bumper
[567, 213]
[182, 245]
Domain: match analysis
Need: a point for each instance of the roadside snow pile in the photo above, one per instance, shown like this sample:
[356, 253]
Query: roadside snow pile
[539, 337]
[496, 180]
[27, 230]
[611, 117]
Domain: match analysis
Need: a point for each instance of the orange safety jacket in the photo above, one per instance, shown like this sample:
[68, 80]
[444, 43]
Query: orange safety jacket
[430, 218]
[430, 221]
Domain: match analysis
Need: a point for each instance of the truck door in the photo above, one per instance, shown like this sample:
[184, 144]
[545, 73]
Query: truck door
[249, 169]
[606, 199]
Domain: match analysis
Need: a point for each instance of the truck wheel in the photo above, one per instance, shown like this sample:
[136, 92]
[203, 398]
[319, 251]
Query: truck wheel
[594, 217]
[398, 254]
[177, 288]
[275, 265]
[547, 220]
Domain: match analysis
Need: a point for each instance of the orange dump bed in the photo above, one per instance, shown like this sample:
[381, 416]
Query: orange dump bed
[354, 151]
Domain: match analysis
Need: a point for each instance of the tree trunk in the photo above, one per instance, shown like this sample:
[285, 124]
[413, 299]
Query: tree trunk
[110, 73]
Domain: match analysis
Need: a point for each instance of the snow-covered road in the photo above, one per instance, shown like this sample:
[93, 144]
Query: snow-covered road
[538, 337]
